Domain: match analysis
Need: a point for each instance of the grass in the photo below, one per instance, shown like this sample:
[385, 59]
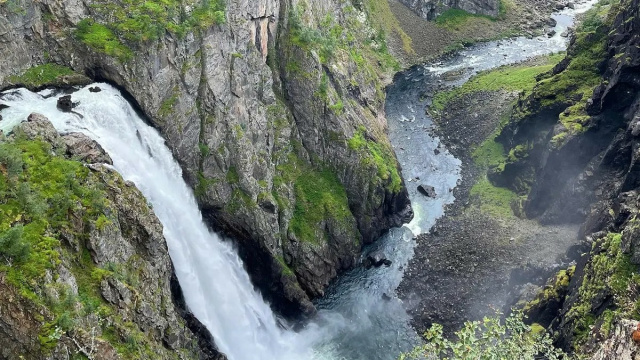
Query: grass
[511, 78]
[140, 21]
[379, 155]
[319, 196]
[102, 39]
[383, 18]
[456, 19]
[43, 195]
[609, 272]
[40, 75]
[493, 200]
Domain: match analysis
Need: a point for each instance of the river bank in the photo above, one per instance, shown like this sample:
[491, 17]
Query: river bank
[477, 258]
[431, 39]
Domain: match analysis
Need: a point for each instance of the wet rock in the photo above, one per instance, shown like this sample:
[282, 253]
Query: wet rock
[571, 5]
[436, 151]
[65, 103]
[551, 33]
[95, 89]
[427, 190]
[552, 22]
[376, 259]
[564, 34]
[560, 6]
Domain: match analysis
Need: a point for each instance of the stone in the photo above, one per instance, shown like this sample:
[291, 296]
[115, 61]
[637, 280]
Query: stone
[80, 146]
[551, 32]
[95, 89]
[571, 5]
[552, 22]
[65, 103]
[376, 259]
[427, 190]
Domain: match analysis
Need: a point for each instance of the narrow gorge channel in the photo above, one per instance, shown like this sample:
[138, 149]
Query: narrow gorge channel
[359, 317]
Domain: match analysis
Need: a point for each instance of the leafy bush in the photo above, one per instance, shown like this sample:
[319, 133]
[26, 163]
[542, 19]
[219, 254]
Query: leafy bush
[12, 245]
[487, 340]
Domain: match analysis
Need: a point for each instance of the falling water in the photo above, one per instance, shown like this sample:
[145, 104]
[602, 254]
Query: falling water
[356, 320]
[216, 286]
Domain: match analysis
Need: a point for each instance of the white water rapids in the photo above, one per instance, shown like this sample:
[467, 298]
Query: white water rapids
[215, 284]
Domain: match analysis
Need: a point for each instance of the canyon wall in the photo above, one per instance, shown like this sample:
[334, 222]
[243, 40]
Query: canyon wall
[273, 108]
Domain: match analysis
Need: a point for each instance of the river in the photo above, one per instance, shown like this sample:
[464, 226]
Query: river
[359, 318]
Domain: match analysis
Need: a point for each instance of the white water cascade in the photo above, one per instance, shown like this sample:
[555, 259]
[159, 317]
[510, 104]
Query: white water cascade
[215, 284]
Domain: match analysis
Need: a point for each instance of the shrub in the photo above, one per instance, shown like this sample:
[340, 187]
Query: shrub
[488, 339]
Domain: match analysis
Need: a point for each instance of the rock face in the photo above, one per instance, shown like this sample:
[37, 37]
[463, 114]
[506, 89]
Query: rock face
[581, 165]
[107, 291]
[261, 111]
[430, 9]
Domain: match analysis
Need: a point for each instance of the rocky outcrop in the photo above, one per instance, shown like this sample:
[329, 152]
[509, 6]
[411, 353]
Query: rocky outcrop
[430, 9]
[261, 110]
[94, 282]
[575, 144]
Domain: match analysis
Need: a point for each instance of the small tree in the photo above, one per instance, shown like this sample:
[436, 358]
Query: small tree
[488, 340]
[12, 245]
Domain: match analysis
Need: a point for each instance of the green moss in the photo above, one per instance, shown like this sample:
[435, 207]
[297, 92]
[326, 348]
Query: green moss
[492, 199]
[521, 78]
[319, 196]
[232, 175]
[457, 19]
[166, 107]
[102, 39]
[379, 155]
[41, 75]
[608, 272]
[286, 269]
[490, 154]
[385, 21]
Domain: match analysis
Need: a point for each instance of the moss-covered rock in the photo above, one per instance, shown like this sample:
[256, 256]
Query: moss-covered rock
[85, 268]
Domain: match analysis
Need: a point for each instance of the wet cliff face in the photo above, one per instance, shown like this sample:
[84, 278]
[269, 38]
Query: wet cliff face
[273, 108]
[430, 9]
[574, 142]
[85, 269]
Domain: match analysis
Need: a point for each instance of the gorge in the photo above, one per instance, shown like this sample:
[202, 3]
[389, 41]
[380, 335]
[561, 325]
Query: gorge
[280, 146]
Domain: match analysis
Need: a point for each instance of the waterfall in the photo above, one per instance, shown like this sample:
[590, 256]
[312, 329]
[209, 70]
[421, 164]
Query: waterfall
[214, 282]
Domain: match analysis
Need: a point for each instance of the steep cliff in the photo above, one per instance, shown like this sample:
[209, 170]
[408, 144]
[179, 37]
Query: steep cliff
[84, 267]
[430, 9]
[572, 147]
[274, 109]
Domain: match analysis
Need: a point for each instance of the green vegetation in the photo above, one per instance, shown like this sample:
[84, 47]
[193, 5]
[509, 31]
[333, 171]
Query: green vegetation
[511, 78]
[319, 196]
[379, 155]
[41, 75]
[554, 289]
[456, 19]
[102, 39]
[135, 21]
[571, 88]
[386, 22]
[43, 198]
[609, 272]
[488, 339]
[492, 199]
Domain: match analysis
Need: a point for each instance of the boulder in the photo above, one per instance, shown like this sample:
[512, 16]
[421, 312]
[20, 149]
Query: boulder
[376, 259]
[552, 22]
[95, 89]
[65, 103]
[427, 190]
[80, 146]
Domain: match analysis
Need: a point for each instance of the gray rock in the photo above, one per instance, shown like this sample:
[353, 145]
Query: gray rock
[65, 103]
[376, 259]
[551, 22]
[85, 149]
[427, 190]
